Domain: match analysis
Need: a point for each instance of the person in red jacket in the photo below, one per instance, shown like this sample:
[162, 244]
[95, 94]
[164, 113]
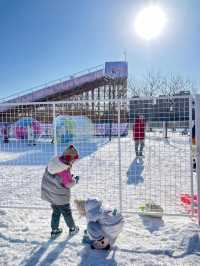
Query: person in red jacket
[139, 135]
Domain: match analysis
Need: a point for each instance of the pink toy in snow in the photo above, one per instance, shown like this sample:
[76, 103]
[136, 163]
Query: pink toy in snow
[186, 200]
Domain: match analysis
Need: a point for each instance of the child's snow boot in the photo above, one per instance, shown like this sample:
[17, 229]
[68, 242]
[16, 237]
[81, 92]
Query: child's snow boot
[86, 239]
[102, 244]
[73, 230]
[56, 232]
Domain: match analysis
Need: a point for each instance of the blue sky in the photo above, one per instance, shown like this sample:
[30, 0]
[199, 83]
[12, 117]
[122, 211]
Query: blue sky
[42, 40]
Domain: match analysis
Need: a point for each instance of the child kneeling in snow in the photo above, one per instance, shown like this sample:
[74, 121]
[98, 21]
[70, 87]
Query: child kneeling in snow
[56, 183]
[103, 226]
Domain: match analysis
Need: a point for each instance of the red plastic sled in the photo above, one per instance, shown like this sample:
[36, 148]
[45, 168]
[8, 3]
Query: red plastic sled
[186, 200]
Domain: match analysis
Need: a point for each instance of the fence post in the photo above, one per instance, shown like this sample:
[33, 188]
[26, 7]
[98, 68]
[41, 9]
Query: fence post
[191, 155]
[54, 130]
[119, 156]
[197, 131]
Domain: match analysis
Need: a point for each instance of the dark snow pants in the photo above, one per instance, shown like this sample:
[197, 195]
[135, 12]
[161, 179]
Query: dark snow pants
[65, 210]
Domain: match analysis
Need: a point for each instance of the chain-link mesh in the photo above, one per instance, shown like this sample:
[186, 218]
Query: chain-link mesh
[131, 151]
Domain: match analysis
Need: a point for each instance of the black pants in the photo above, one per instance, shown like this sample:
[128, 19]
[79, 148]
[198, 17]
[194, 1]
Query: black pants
[65, 210]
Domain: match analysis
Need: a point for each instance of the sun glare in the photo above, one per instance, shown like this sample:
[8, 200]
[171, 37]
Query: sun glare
[150, 22]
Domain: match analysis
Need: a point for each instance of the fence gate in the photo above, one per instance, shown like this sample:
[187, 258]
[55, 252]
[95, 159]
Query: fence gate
[103, 133]
[165, 172]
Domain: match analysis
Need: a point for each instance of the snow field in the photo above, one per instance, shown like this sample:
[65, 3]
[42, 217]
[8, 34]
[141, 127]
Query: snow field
[162, 176]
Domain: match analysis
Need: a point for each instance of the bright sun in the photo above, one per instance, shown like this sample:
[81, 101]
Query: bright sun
[150, 22]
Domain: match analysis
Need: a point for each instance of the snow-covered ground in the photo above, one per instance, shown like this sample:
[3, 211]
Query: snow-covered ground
[24, 240]
[162, 176]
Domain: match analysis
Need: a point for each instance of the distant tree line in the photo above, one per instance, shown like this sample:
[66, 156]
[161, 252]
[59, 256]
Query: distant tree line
[155, 84]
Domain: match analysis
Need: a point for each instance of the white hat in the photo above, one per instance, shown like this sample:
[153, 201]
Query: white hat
[93, 209]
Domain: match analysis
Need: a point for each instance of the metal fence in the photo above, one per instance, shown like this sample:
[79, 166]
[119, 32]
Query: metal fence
[103, 132]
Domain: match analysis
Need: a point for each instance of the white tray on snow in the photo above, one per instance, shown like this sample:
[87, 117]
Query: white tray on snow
[151, 210]
[154, 214]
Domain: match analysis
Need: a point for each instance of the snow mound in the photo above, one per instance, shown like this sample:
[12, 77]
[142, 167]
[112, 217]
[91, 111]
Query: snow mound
[189, 241]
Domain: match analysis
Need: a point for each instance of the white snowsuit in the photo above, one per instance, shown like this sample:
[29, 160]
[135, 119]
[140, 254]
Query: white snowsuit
[102, 223]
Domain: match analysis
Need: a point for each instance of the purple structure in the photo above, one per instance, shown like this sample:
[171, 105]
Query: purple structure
[104, 129]
[63, 86]
[108, 81]
[111, 70]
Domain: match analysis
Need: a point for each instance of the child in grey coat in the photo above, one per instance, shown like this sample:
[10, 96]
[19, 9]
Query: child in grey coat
[103, 225]
[56, 183]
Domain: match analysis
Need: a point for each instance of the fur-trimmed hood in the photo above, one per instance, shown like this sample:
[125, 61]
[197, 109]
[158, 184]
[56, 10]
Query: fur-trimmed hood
[56, 166]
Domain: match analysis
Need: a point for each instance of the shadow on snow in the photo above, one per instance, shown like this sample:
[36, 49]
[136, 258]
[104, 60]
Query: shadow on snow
[134, 173]
[22, 154]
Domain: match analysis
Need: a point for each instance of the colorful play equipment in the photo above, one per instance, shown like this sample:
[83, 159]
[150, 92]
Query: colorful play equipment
[73, 128]
[20, 127]
[186, 201]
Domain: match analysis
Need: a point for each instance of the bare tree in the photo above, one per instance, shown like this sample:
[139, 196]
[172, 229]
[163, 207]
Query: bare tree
[133, 88]
[176, 83]
[150, 85]
[155, 84]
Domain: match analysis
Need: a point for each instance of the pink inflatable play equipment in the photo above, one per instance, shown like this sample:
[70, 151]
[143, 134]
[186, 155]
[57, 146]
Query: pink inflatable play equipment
[21, 127]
